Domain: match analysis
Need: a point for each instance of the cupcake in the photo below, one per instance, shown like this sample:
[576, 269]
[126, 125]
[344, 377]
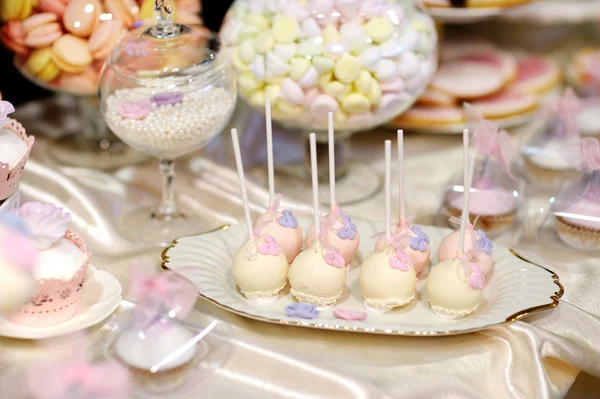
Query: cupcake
[60, 270]
[15, 147]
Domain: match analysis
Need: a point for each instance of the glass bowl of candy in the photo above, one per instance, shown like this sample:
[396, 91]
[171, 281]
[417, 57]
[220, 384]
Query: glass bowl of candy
[166, 92]
[61, 45]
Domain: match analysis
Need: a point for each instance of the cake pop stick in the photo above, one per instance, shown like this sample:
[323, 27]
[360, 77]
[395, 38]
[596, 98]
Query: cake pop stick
[240, 170]
[401, 172]
[315, 182]
[388, 183]
[270, 168]
[464, 220]
[331, 145]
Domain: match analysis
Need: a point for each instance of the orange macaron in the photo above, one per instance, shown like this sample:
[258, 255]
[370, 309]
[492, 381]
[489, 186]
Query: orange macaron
[71, 53]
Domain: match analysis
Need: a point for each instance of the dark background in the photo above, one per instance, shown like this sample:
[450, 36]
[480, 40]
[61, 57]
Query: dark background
[16, 89]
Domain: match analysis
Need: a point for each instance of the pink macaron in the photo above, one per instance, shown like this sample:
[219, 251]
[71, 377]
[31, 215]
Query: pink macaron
[81, 16]
[41, 30]
[56, 7]
[104, 37]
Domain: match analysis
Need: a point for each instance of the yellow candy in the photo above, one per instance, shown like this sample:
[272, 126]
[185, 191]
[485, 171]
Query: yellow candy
[247, 52]
[264, 42]
[298, 68]
[347, 69]
[364, 82]
[38, 60]
[379, 29]
[285, 30]
[257, 99]
[375, 94]
[322, 64]
[238, 64]
[248, 83]
[340, 118]
[355, 103]
[290, 110]
[26, 9]
[257, 20]
[330, 34]
[272, 92]
[275, 80]
[324, 79]
[49, 73]
[10, 9]
[247, 32]
[336, 89]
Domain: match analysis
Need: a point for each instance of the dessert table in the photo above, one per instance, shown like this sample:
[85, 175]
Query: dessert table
[536, 357]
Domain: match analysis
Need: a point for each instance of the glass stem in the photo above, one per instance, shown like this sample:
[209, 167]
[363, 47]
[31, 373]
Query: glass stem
[167, 209]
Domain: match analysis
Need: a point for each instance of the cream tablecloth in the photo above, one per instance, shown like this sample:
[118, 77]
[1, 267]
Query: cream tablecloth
[535, 358]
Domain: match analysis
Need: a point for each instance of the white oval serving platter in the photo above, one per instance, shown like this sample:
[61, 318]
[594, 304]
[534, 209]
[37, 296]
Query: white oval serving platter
[514, 289]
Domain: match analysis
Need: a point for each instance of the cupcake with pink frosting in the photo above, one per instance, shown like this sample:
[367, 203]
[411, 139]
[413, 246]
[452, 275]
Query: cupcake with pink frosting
[60, 269]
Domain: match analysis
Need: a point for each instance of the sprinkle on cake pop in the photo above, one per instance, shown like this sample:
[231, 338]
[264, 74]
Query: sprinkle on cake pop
[259, 266]
[338, 227]
[417, 246]
[318, 274]
[455, 286]
[388, 277]
[279, 223]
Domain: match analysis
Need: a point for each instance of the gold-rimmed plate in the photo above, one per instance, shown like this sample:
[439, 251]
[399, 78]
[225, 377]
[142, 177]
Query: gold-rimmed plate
[515, 288]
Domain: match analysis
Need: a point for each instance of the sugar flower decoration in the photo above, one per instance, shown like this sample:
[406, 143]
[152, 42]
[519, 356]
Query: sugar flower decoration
[5, 109]
[349, 230]
[420, 241]
[170, 98]
[135, 109]
[484, 243]
[46, 223]
[401, 261]
[476, 279]
[288, 220]
[302, 310]
[347, 314]
[270, 247]
[335, 259]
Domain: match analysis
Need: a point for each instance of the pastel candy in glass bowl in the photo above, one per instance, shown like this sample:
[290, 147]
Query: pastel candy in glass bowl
[366, 61]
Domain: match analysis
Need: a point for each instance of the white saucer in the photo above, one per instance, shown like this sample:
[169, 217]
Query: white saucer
[101, 296]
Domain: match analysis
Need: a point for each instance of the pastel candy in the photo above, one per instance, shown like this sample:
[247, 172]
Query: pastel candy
[350, 31]
[291, 91]
[290, 110]
[258, 67]
[348, 8]
[247, 32]
[322, 64]
[272, 92]
[408, 64]
[364, 82]
[375, 94]
[360, 44]
[391, 48]
[340, 118]
[336, 89]
[247, 52]
[379, 29]
[335, 49]
[324, 7]
[395, 85]
[264, 42]
[413, 84]
[298, 68]
[310, 95]
[322, 105]
[385, 70]
[370, 57]
[275, 67]
[257, 99]
[285, 29]
[360, 119]
[257, 20]
[274, 6]
[248, 83]
[355, 103]
[410, 39]
[295, 10]
[285, 52]
[347, 69]
[310, 78]
[324, 79]
[309, 47]
[330, 34]
[310, 28]
[372, 9]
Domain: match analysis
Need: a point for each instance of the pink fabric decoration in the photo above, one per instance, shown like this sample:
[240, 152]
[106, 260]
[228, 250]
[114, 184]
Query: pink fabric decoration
[330, 253]
[169, 291]
[135, 109]
[401, 261]
[590, 153]
[5, 109]
[477, 278]
[270, 247]
[347, 314]
[566, 107]
[489, 140]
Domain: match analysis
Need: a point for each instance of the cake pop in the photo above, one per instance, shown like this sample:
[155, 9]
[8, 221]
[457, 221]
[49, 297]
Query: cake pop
[259, 266]
[455, 286]
[318, 274]
[275, 222]
[387, 277]
[417, 248]
[338, 228]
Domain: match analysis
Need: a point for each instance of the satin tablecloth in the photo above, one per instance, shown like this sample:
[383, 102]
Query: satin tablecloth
[536, 358]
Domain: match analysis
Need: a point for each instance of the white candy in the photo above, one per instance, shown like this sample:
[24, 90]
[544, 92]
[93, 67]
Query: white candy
[310, 78]
[373, 9]
[407, 65]
[323, 64]
[298, 68]
[324, 7]
[291, 91]
[285, 52]
[391, 48]
[310, 28]
[350, 31]
[309, 47]
[391, 102]
[275, 67]
[385, 70]
[230, 31]
[295, 10]
[247, 52]
[330, 34]
[396, 85]
[370, 57]
[414, 83]
[410, 39]
[348, 8]
[335, 49]
[257, 67]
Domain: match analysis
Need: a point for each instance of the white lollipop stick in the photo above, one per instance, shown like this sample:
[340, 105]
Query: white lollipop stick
[270, 170]
[465, 156]
[401, 172]
[240, 170]
[388, 183]
[315, 182]
[331, 145]
[464, 219]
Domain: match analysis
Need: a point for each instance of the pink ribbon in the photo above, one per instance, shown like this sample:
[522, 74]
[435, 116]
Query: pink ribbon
[253, 249]
[566, 108]
[470, 227]
[590, 153]
[330, 253]
[489, 140]
[472, 270]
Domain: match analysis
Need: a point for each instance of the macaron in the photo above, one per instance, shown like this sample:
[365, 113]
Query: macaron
[119, 11]
[56, 7]
[41, 30]
[71, 53]
[104, 37]
[13, 37]
[81, 16]
[15, 9]
[40, 64]
[84, 83]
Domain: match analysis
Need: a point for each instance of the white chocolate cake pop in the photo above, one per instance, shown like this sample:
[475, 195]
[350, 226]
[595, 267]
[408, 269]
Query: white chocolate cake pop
[338, 228]
[276, 222]
[318, 274]
[476, 242]
[387, 277]
[417, 243]
[259, 266]
[455, 286]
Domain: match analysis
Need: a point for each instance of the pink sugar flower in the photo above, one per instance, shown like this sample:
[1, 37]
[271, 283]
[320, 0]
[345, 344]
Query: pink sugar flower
[135, 109]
